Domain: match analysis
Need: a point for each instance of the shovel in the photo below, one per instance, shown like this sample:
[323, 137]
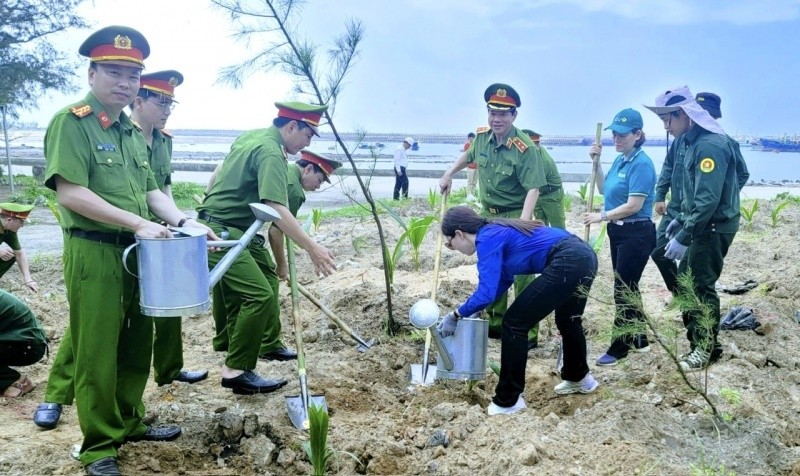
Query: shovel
[424, 374]
[298, 405]
[363, 345]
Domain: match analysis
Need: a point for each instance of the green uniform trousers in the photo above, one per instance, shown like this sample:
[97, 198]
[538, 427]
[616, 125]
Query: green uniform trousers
[496, 310]
[112, 343]
[59, 383]
[550, 209]
[167, 349]
[167, 361]
[246, 308]
[704, 259]
[6, 265]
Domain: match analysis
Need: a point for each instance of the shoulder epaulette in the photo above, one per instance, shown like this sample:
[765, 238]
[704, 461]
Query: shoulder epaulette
[166, 132]
[482, 130]
[81, 110]
[520, 145]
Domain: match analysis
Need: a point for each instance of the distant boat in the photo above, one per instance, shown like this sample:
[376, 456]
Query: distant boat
[784, 144]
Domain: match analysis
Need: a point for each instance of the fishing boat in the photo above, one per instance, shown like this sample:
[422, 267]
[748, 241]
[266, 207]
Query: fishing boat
[783, 144]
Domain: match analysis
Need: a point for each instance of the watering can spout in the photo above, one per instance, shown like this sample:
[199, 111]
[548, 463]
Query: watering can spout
[263, 213]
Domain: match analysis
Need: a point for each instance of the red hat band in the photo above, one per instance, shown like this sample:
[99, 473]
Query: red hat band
[312, 118]
[158, 86]
[323, 164]
[500, 97]
[115, 53]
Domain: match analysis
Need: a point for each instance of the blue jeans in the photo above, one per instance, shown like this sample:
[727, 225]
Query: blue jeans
[631, 245]
[562, 287]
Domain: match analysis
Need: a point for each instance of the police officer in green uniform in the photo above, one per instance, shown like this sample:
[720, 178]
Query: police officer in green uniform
[22, 342]
[672, 173]
[97, 164]
[550, 206]
[246, 307]
[702, 234]
[306, 176]
[510, 174]
[150, 111]
[12, 217]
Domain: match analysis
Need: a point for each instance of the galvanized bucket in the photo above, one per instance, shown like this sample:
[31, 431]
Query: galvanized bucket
[173, 274]
[466, 349]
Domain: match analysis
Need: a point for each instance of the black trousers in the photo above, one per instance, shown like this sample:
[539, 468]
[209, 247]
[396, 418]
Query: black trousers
[666, 266]
[562, 287]
[400, 183]
[631, 245]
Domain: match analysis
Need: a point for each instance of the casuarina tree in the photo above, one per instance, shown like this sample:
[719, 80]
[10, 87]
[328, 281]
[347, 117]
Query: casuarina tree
[319, 77]
[29, 63]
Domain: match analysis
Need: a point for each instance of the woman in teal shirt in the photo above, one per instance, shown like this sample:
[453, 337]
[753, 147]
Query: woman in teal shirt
[628, 191]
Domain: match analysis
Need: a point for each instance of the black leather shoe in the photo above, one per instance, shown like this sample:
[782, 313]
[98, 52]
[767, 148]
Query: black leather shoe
[493, 334]
[47, 415]
[192, 376]
[250, 383]
[158, 433]
[532, 344]
[279, 354]
[103, 467]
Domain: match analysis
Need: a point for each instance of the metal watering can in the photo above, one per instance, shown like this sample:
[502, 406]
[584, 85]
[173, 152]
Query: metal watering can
[174, 280]
[462, 356]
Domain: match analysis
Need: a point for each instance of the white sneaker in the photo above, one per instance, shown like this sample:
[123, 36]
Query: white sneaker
[696, 360]
[493, 409]
[587, 385]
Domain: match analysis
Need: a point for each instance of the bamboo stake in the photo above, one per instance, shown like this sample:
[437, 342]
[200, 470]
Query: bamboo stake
[590, 198]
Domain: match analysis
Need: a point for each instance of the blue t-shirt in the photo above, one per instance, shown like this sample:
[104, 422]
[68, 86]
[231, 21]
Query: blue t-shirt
[636, 176]
[503, 252]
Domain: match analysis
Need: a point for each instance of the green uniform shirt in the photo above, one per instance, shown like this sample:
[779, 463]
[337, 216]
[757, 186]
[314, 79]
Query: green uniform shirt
[11, 238]
[506, 171]
[84, 146]
[160, 153]
[710, 187]
[671, 177]
[551, 174]
[296, 194]
[255, 169]
[17, 322]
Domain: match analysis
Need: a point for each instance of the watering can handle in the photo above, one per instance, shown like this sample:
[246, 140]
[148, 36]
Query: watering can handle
[125, 259]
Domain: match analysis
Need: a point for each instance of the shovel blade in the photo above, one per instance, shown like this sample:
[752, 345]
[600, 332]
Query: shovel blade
[365, 346]
[298, 413]
[416, 376]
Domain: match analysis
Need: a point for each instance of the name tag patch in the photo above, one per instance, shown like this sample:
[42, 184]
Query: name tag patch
[107, 147]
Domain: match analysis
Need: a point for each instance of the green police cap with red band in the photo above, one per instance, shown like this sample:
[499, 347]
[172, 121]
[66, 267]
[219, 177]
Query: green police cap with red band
[116, 44]
[161, 82]
[501, 97]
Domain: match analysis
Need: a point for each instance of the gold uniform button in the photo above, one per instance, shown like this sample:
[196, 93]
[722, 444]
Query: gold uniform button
[109, 161]
[145, 164]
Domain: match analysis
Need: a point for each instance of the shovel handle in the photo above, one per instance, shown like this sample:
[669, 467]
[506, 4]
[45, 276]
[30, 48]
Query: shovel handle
[342, 325]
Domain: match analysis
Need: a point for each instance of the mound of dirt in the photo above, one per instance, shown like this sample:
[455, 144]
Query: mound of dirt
[642, 420]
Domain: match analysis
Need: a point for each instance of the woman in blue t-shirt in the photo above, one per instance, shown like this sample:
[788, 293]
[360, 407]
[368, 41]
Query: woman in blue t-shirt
[566, 267]
[628, 191]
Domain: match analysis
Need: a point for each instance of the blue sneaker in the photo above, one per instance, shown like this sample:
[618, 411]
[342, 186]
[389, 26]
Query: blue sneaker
[606, 360]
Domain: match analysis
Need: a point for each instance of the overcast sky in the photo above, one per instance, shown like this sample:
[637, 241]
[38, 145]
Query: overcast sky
[424, 64]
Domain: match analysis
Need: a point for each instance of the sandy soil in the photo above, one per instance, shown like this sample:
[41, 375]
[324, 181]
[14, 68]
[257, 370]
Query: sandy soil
[641, 420]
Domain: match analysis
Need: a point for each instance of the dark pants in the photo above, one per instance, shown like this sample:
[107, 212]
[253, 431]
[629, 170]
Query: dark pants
[562, 287]
[704, 259]
[18, 354]
[400, 183]
[666, 266]
[631, 245]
